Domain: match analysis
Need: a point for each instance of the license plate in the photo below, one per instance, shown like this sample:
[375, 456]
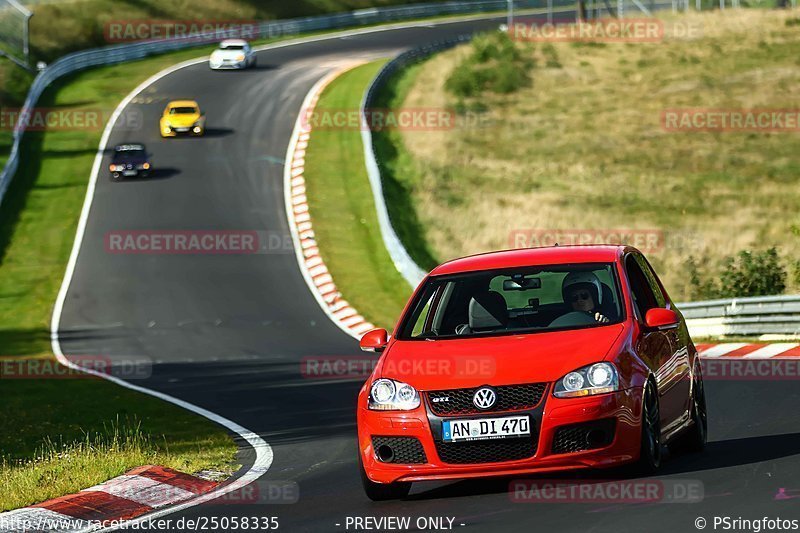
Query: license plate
[486, 428]
[181, 129]
[128, 172]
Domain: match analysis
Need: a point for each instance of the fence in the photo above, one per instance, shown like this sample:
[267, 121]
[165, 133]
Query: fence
[756, 315]
[131, 51]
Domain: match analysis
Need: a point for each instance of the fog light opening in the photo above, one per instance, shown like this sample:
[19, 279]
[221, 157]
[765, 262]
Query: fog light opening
[596, 438]
[385, 453]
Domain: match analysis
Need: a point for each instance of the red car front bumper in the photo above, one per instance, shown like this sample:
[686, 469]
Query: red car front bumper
[622, 409]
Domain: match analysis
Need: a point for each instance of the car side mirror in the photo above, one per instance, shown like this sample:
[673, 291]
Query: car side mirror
[660, 318]
[374, 340]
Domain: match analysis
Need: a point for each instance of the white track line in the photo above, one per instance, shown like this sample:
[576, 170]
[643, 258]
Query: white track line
[262, 449]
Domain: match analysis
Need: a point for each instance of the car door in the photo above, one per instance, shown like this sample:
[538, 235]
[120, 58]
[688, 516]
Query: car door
[654, 346]
[679, 363]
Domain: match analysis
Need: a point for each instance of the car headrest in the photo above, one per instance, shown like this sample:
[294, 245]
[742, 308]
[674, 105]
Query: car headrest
[487, 310]
[609, 308]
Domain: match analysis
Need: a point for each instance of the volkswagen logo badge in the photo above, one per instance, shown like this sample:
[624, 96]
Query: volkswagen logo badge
[484, 398]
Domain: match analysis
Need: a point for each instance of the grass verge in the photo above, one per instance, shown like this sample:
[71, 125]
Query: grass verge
[60, 436]
[340, 201]
[583, 147]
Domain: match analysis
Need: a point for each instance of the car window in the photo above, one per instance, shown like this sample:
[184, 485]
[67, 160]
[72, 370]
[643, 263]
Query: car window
[643, 297]
[182, 110]
[517, 300]
[652, 280]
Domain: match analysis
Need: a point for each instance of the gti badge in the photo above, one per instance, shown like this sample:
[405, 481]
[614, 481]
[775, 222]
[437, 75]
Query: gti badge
[484, 398]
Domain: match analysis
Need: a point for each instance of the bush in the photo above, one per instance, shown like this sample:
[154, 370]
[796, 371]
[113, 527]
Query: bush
[746, 274]
[495, 64]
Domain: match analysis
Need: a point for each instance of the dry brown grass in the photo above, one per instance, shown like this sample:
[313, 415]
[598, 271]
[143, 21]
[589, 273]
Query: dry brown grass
[583, 147]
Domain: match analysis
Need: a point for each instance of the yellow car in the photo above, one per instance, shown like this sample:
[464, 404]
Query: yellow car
[182, 117]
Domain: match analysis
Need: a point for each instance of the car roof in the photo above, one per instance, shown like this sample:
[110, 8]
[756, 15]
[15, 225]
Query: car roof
[128, 147]
[522, 257]
[183, 103]
[232, 42]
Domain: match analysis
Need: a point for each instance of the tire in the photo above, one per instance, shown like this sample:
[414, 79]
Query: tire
[650, 449]
[379, 492]
[694, 438]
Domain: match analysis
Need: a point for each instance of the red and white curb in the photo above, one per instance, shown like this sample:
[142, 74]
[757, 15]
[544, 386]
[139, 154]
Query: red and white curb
[131, 495]
[311, 264]
[736, 350]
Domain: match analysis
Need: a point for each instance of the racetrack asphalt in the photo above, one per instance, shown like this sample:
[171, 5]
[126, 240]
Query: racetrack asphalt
[229, 332]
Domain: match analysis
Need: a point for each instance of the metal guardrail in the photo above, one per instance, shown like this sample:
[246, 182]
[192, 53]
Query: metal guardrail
[758, 315]
[412, 273]
[130, 51]
[409, 269]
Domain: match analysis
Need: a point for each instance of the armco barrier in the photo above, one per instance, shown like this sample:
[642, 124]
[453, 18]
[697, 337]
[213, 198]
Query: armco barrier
[126, 52]
[412, 273]
[758, 315]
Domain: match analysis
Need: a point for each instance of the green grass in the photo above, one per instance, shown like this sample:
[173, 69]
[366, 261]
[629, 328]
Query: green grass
[583, 148]
[38, 221]
[61, 436]
[340, 201]
[397, 175]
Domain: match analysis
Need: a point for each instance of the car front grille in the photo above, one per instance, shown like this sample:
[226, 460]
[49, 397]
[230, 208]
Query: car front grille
[405, 450]
[487, 451]
[509, 398]
[584, 436]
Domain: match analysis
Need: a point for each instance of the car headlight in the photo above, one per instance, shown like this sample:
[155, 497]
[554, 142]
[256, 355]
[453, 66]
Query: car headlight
[391, 395]
[240, 57]
[144, 166]
[598, 378]
[116, 168]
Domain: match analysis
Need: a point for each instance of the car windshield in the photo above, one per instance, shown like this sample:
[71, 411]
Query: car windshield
[183, 110]
[511, 301]
[232, 47]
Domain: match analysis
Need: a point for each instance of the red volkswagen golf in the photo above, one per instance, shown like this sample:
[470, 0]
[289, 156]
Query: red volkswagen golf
[530, 361]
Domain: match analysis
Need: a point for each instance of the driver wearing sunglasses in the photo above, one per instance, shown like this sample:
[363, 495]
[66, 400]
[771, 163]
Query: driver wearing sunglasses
[583, 292]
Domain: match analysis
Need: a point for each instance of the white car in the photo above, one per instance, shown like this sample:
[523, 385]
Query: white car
[232, 53]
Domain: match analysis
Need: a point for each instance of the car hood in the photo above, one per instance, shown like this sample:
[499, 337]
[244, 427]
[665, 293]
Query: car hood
[182, 120]
[503, 360]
